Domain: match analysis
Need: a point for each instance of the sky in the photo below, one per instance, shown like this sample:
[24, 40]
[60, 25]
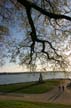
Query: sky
[12, 68]
[17, 32]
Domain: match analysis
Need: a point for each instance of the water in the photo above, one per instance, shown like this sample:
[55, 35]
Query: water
[29, 77]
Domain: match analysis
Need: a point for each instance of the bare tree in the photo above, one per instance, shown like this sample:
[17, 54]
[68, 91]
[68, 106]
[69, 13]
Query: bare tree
[37, 44]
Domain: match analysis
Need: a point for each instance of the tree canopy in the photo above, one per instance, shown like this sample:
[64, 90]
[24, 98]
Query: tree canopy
[45, 26]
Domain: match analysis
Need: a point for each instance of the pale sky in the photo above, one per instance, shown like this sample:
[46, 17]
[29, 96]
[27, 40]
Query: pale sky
[12, 68]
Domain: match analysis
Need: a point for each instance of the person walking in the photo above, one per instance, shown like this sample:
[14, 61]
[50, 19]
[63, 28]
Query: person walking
[63, 88]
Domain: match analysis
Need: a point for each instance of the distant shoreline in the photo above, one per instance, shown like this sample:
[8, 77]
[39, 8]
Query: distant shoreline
[6, 73]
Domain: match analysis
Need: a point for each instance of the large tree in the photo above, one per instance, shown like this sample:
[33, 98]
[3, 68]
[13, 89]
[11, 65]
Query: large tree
[47, 28]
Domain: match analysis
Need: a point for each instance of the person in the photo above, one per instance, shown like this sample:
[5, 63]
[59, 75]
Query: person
[63, 88]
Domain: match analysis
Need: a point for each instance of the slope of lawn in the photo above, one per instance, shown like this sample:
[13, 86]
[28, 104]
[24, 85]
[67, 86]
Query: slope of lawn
[22, 104]
[32, 87]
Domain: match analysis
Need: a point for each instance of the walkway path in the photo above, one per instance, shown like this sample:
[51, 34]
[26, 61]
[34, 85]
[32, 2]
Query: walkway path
[55, 96]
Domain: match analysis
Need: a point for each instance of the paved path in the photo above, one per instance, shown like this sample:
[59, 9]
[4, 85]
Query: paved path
[54, 96]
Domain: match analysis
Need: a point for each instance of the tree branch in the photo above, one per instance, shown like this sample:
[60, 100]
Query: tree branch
[27, 4]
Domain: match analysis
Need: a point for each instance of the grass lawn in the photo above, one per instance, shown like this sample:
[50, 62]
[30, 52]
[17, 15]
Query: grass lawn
[22, 104]
[33, 87]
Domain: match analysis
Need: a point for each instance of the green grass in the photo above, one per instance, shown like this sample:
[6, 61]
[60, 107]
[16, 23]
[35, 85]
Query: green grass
[33, 87]
[22, 104]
